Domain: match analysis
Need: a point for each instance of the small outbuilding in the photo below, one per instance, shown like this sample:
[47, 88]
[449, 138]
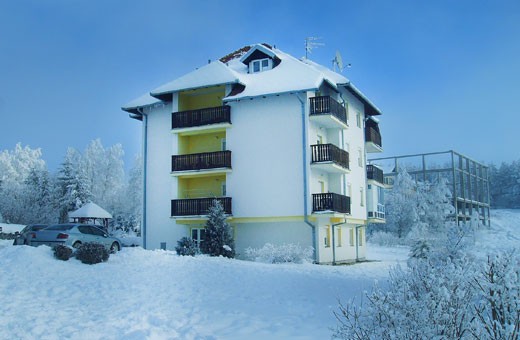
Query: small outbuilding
[91, 213]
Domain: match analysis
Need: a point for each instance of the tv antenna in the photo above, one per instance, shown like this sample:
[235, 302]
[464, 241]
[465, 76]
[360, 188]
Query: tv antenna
[338, 61]
[310, 43]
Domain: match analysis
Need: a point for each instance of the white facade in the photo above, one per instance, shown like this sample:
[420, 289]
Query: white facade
[287, 179]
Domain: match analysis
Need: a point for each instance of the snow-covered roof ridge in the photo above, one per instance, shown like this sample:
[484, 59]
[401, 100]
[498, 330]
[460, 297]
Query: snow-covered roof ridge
[91, 210]
[212, 74]
[288, 75]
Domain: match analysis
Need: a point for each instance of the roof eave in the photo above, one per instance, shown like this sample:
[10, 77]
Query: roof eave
[373, 109]
[166, 94]
[228, 99]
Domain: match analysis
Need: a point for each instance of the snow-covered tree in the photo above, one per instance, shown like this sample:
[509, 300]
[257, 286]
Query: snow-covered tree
[402, 204]
[430, 299]
[73, 187]
[219, 235]
[498, 307]
[15, 168]
[39, 198]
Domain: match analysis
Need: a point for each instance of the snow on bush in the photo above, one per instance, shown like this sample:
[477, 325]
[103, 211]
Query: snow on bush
[443, 293]
[186, 246]
[284, 253]
[62, 252]
[384, 238]
[92, 253]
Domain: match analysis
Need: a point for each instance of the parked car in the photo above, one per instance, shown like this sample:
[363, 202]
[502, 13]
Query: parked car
[22, 237]
[73, 235]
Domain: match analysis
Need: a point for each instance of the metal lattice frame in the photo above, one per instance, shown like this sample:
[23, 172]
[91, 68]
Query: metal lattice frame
[469, 179]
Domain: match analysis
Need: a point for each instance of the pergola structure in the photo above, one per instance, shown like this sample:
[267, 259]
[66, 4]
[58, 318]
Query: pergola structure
[467, 179]
[91, 213]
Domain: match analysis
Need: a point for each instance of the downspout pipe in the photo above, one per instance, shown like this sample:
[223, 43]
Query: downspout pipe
[305, 180]
[145, 162]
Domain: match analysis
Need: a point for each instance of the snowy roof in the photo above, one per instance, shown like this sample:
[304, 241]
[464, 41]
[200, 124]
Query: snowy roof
[91, 210]
[214, 73]
[289, 75]
[144, 100]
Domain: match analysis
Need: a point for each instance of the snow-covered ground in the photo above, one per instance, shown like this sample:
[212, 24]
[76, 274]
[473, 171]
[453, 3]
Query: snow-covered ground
[11, 228]
[141, 294]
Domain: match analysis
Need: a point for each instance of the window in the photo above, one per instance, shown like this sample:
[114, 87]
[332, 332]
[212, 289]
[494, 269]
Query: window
[326, 239]
[340, 238]
[224, 189]
[362, 196]
[319, 139]
[360, 157]
[260, 65]
[223, 144]
[351, 237]
[198, 235]
[360, 236]
[358, 119]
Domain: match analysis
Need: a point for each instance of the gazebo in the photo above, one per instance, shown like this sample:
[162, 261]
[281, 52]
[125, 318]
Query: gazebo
[91, 213]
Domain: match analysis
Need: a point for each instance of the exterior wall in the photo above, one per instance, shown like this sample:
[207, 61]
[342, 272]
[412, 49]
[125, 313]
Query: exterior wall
[354, 141]
[256, 235]
[266, 145]
[201, 98]
[159, 226]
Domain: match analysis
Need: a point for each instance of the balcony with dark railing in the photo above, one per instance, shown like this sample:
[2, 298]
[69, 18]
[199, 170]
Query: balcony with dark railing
[201, 117]
[373, 172]
[326, 106]
[324, 154]
[198, 206]
[331, 202]
[373, 138]
[202, 161]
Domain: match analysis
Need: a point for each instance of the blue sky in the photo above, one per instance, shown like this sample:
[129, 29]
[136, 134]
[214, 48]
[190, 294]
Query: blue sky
[444, 73]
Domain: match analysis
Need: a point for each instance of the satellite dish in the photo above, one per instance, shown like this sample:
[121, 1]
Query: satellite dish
[339, 61]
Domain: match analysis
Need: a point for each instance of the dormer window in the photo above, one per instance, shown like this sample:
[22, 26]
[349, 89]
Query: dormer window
[260, 65]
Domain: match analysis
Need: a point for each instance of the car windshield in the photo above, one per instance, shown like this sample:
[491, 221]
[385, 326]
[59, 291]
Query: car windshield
[60, 227]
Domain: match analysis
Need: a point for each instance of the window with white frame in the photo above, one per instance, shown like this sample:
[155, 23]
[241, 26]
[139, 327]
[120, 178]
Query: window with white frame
[326, 238]
[362, 196]
[351, 237]
[260, 65]
[360, 157]
[358, 119]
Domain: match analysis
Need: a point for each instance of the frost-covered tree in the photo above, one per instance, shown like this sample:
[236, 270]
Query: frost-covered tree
[39, 198]
[15, 168]
[402, 204]
[436, 205]
[104, 170]
[498, 307]
[219, 236]
[430, 299]
[73, 187]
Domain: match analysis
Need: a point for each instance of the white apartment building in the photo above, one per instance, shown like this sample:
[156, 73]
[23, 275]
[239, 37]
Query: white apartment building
[281, 142]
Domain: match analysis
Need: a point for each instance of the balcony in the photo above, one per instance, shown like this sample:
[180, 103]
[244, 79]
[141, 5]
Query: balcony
[374, 173]
[373, 140]
[202, 161]
[330, 158]
[328, 112]
[201, 117]
[377, 216]
[330, 202]
[198, 206]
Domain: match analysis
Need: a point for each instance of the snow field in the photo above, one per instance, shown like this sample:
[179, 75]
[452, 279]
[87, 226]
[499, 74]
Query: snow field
[140, 294]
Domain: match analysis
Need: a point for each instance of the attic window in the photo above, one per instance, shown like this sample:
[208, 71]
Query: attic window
[260, 65]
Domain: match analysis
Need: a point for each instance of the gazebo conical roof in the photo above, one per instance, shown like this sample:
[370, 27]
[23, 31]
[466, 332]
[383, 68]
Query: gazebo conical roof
[90, 210]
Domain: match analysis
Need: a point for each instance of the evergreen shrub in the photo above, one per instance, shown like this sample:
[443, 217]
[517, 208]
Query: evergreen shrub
[92, 253]
[186, 246]
[62, 252]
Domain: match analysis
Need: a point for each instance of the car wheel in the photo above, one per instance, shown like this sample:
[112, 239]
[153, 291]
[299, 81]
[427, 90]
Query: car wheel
[76, 245]
[115, 247]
